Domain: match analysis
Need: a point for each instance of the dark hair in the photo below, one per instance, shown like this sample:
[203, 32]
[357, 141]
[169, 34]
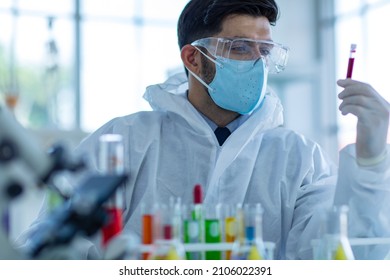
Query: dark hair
[203, 18]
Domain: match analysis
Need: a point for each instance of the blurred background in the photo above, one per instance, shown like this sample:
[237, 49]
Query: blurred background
[69, 66]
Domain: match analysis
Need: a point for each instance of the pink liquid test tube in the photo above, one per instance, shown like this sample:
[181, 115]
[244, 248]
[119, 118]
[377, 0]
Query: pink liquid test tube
[351, 61]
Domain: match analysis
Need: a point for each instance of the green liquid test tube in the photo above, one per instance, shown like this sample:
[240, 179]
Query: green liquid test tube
[191, 235]
[212, 229]
[193, 223]
[213, 235]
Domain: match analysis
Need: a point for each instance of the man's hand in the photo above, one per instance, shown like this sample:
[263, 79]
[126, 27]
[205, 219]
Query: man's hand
[372, 111]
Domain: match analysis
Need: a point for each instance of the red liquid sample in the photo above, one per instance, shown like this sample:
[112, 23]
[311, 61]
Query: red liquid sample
[114, 225]
[350, 67]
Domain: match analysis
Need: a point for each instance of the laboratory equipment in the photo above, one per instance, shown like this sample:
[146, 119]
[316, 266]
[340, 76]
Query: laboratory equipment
[351, 60]
[249, 243]
[125, 246]
[194, 223]
[212, 229]
[82, 214]
[337, 242]
[25, 166]
[229, 226]
[147, 216]
[167, 245]
[111, 157]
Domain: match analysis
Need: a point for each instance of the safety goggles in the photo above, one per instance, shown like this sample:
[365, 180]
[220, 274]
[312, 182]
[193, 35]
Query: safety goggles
[274, 54]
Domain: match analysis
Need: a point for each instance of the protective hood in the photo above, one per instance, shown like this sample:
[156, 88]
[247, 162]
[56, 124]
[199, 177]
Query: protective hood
[171, 96]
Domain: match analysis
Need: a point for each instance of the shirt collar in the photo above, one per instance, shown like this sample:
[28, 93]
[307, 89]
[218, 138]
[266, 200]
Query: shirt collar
[232, 126]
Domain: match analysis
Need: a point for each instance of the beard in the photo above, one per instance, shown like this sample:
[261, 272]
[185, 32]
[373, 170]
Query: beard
[208, 70]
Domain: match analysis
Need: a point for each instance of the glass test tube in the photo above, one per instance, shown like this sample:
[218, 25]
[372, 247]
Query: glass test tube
[110, 161]
[166, 246]
[194, 223]
[249, 244]
[147, 216]
[212, 229]
[177, 214]
[192, 230]
[254, 231]
[351, 60]
[229, 226]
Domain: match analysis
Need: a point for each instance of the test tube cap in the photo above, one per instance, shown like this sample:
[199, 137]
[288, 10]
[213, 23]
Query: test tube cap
[198, 194]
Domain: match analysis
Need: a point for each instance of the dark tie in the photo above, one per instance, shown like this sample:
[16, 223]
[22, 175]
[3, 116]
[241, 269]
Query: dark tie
[222, 134]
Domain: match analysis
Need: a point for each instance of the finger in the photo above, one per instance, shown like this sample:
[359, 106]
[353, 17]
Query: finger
[358, 89]
[370, 107]
[355, 110]
[365, 113]
[362, 100]
[346, 82]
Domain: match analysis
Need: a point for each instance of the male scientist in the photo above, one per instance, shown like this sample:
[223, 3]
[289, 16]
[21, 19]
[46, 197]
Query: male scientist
[219, 126]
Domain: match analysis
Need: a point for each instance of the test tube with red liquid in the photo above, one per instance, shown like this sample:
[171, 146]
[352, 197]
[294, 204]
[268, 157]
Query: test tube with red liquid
[351, 60]
[111, 154]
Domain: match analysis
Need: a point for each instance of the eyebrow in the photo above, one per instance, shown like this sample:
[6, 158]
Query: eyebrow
[239, 37]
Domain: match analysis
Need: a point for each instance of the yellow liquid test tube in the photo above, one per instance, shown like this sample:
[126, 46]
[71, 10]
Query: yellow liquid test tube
[230, 233]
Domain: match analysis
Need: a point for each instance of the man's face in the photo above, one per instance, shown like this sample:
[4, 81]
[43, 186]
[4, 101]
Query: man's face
[237, 26]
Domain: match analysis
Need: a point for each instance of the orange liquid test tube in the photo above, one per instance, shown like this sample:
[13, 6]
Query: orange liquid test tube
[147, 232]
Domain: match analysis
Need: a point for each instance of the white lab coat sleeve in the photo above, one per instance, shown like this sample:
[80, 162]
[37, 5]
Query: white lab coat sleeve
[315, 194]
[366, 190]
[308, 218]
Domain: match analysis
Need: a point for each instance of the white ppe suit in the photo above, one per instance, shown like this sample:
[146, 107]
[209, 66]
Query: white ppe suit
[172, 148]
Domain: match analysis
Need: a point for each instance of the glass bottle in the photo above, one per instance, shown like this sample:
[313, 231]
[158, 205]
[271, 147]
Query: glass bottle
[249, 244]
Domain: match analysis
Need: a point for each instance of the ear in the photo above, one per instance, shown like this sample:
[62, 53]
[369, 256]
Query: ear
[191, 59]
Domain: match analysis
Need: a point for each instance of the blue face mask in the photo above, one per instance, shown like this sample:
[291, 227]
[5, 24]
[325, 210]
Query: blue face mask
[238, 86]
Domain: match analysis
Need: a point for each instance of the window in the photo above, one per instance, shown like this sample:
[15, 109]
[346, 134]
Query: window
[122, 53]
[36, 61]
[103, 55]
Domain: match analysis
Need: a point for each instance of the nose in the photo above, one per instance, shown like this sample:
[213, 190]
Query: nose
[256, 52]
[258, 59]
